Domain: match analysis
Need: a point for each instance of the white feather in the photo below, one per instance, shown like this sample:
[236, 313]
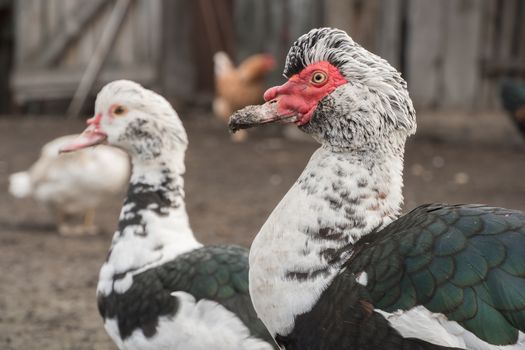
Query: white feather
[20, 184]
[198, 325]
[362, 279]
[421, 323]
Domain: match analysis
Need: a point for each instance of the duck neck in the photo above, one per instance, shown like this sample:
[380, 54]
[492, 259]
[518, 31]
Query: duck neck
[341, 196]
[153, 226]
[155, 186]
[360, 190]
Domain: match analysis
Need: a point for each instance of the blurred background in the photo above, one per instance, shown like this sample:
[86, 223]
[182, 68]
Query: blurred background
[464, 61]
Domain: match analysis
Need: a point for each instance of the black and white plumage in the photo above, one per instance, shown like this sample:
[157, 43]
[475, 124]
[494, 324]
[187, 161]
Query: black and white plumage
[159, 288]
[334, 266]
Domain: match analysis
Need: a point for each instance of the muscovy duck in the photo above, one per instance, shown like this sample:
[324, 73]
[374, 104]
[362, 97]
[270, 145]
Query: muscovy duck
[73, 185]
[159, 288]
[334, 266]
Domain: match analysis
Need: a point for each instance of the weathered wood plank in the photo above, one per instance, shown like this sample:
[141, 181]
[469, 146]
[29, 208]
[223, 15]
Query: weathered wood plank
[271, 26]
[43, 84]
[53, 15]
[27, 37]
[76, 23]
[310, 16]
[507, 29]
[141, 18]
[152, 18]
[389, 39]
[521, 31]
[274, 22]
[461, 54]
[99, 56]
[121, 51]
[487, 90]
[255, 21]
[424, 54]
[364, 23]
[177, 72]
[60, 34]
[338, 14]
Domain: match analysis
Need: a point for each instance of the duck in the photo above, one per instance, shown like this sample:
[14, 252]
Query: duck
[73, 185]
[336, 265]
[159, 287]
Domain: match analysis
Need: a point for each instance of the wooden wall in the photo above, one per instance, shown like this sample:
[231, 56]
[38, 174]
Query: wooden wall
[502, 49]
[55, 39]
[6, 53]
[453, 53]
[271, 26]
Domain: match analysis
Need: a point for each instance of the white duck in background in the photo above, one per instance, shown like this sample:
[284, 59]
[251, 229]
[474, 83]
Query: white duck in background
[73, 185]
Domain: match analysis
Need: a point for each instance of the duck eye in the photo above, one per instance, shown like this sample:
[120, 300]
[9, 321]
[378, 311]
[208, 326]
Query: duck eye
[319, 78]
[119, 110]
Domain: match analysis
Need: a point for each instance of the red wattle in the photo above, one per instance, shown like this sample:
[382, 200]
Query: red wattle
[299, 96]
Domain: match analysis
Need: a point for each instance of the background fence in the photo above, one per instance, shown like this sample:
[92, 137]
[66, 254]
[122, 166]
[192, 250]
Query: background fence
[453, 53]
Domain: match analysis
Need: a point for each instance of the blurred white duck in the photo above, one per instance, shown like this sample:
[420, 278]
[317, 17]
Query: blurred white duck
[73, 184]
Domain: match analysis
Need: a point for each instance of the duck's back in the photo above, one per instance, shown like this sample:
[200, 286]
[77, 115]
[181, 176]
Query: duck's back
[198, 300]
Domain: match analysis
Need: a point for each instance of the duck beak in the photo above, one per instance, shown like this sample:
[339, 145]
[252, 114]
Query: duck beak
[90, 137]
[253, 116]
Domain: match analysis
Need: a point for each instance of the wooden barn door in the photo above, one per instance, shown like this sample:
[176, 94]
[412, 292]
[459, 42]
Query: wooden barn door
[503, 54]
[56, 41]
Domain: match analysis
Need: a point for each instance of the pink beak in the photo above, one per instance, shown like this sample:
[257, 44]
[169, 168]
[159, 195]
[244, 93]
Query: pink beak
[90, 137]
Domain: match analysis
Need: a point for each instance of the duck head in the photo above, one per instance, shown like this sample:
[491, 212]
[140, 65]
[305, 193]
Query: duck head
[338, 92]
[135, 119]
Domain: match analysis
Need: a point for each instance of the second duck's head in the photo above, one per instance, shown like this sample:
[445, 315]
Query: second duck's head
[135, 119]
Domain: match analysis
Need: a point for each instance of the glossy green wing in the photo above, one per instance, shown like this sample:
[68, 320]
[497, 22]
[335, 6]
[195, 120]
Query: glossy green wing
[466, 262]
[218, 273]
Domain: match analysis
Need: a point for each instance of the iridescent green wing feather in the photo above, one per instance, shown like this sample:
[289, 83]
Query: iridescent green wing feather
[218, 273]
[466, 262]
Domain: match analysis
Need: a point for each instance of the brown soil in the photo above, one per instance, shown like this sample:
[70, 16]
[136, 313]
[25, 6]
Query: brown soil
[47, 284]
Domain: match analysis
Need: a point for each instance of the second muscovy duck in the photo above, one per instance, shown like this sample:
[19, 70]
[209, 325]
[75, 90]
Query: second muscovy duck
[159, 288]
[334, 267]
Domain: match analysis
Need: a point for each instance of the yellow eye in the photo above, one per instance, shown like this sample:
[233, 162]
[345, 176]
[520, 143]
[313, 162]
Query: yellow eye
[318, 78]
[119, 110]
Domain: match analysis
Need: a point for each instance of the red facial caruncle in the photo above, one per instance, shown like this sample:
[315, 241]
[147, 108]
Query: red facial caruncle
[93, 135]
[94, 122]
[300, 95]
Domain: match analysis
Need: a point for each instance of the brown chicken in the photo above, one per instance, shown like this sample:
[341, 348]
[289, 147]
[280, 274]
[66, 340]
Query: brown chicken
[237, 87]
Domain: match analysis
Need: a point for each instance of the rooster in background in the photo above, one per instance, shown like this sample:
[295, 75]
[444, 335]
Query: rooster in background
[238, 87]
[513, 98]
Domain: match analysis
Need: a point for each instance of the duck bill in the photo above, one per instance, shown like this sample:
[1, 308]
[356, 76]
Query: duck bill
[90, 137]
[253, 116]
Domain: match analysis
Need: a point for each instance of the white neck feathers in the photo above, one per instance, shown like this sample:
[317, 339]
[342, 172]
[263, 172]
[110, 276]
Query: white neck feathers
[153, 225]
[338, 198]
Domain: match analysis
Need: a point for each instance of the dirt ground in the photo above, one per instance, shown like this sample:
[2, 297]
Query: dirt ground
[47, 284]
